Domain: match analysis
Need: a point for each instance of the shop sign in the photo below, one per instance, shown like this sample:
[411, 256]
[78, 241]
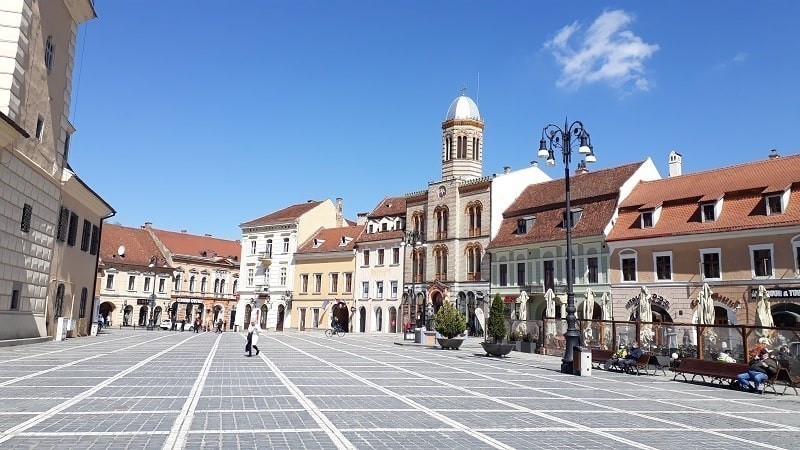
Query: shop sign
[791, 292]
[191, 301]
[655, 299]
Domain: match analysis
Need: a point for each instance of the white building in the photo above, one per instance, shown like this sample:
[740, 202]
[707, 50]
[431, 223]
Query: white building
[267, 262]
[37, 50]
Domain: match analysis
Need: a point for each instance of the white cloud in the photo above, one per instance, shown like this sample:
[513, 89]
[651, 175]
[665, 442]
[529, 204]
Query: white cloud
[609, 53]
[739, 58]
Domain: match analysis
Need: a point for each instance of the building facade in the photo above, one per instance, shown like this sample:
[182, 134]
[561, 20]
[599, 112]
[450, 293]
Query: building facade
[324, 287]
[734, 228]
[528, 253]
[267, 262]
[454, 218]
[205, 278]
[380, 251]
[36, 66]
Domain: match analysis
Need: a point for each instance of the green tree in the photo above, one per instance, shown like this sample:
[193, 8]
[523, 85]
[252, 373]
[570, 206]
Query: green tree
[449, 322]
[496, 326]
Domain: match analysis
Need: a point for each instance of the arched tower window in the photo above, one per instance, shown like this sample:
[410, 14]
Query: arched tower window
[474, 210]
[418, 265]
[440, 259]
[462, 147]
[441, 213]
[418, 222]
[473, 252]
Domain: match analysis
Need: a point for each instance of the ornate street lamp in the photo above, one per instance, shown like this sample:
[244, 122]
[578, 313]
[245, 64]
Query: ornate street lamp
[415, 238]
[560, 139]
[152, 301]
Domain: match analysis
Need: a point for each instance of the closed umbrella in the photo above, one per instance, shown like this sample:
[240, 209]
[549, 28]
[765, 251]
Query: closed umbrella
[764, 312]
[608, 314]
[705, 306]
[550, 312]
[645, 314]
[588, 312]
[522, 327]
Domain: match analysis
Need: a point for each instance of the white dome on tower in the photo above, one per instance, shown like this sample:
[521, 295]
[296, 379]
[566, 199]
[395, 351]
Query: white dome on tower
[463, 107]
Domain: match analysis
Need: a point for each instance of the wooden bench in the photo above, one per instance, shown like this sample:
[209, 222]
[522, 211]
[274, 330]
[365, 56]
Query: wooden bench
[600, 356]
[639, 365]
[659, 363]
[719, 372]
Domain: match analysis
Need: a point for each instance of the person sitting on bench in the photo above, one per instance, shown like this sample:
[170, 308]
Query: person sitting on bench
[761, 368]
[629, 360]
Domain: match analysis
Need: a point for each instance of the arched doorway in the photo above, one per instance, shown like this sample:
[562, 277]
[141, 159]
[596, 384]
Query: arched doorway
[437, 299]
[217, 313]
[106, 310]
[379, 319]
[281, 315]
[248, 312]
[143, 316]
[340, 315]
[362, 319]
[263, 319]
[157, 316]
[127, 316]
[233, 317]
[393, 320]
[786, 315]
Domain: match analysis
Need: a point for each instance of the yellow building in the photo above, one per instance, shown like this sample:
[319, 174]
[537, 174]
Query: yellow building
[323, 286]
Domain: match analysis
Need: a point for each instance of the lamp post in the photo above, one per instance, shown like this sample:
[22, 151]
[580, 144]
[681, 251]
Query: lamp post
[125, 312]
[560, 139]
[414, 238]
[152, 303]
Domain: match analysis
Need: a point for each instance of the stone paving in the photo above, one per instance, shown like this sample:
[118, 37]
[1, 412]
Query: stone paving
[169, 390]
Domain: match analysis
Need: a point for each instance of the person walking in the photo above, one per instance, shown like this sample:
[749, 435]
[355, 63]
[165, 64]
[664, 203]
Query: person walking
[252, 339]
[197, 324]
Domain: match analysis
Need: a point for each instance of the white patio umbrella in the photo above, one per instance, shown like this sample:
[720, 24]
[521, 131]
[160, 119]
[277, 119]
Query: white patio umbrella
[705, 306]
[608, 314]
[588, 312]
[645, 314]
[550, 312]
[764, 312]
[522, 326]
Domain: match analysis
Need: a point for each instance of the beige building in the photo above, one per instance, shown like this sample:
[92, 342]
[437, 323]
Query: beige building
[735, 228]
[267, 262]
[36, 66]
[455, 218]
[324, 287]
[205, 278]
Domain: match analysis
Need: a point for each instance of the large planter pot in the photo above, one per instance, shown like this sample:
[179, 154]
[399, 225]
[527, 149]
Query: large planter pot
[528, 347]
[497, 348]
[452, 344]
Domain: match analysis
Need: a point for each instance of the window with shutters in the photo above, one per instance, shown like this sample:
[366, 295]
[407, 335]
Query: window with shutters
[95, 240]
[73, 229]
[86, 235]
[63, 221]
[25, 222]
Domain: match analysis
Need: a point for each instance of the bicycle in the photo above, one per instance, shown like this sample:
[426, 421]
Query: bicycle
[334, 330]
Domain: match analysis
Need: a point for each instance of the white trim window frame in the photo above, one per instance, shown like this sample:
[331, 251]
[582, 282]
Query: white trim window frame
[710, 251]
[646, 219]
[379, 289]
[770, 273]
[657, 255]
[628, 254]
[365, 289]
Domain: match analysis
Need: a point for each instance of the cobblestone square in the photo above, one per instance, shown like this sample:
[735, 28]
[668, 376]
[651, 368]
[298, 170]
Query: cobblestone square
[170, 390]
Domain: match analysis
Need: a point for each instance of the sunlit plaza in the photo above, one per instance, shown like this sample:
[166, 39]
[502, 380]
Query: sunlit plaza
[161, 389]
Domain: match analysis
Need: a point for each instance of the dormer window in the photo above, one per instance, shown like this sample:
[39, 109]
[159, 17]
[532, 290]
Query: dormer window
[708, 212]
[647, 219]
[344, 241]
[574, 218]
[774, 204]
[317, 243]
[371, 230]
[525, 224]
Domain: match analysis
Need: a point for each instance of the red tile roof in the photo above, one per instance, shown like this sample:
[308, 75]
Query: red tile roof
[381, 236]
[200, 246]
[139, 246]
[551, 194]
[763, 174]
[389, 206]
[332, 238]
[743, 205]
[287, 214]
[596, 193]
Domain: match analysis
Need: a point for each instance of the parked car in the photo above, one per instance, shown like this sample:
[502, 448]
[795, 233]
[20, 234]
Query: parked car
[166, 324]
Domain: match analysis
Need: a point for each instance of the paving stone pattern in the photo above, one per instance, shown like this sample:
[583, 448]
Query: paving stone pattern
[138, 389]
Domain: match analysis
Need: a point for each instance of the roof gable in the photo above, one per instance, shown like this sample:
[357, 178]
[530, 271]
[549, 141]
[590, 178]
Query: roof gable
[288, 214]
[328, 240]
[389, 206]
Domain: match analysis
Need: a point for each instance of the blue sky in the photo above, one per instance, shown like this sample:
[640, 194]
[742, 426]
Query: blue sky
[196, 115]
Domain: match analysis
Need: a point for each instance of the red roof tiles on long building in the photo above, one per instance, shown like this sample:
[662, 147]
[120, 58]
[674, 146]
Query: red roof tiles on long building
[288, 214]
[193, 245]
[139, 245]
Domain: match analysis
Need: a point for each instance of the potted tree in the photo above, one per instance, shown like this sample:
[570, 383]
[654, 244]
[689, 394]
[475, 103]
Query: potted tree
[450, 323]
[496, 329]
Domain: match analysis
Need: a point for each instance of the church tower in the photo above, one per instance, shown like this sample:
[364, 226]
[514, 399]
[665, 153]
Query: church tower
[462, 140]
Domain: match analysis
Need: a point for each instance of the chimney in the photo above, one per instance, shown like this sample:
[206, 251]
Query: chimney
[506, 169]
[534, 164]
[361, 218]
[339, 215]
[581, 168]
[148, 225]
[674, 164]
[773, 154]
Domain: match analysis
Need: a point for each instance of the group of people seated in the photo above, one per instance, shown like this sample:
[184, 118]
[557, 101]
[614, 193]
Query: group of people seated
[762, 367]
[624, 359]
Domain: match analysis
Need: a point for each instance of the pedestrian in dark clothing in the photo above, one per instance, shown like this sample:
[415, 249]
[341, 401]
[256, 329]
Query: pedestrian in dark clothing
[197, 324]
[761, 368]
